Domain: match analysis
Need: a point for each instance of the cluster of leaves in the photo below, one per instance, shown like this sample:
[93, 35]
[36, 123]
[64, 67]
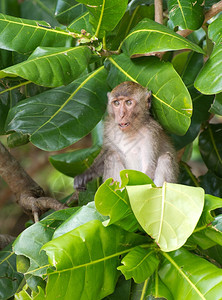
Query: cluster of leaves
[55, 77]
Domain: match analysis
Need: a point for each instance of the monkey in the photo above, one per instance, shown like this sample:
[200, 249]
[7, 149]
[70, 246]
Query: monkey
[132, 140]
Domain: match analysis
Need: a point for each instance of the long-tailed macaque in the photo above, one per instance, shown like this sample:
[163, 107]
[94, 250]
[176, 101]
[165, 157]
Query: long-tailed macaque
[132, 140]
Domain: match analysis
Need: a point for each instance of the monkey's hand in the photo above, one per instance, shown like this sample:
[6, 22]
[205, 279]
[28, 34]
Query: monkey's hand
[81, 180]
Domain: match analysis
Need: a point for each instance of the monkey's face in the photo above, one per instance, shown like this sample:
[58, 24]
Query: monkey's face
[124, 110]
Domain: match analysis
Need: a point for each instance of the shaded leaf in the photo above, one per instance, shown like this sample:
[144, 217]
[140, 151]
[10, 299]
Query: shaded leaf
[122, 290]
[185, 281]
[90, 251]
[62, 115]
[76, 162]
[81, 23]
[157, 289]
[51, 67]
[210, 145]
[216, 107]
[10, 7]
[209, 80]
[172, 103]
[186, 176]
[67, 10]
[23, 35]
[211, 183]
[187, 14]
[17, 139]
[139, 264]
[10, 279]
[39, 10]
[149, 36]
[169, 214]
[105, 14]
[214, 30]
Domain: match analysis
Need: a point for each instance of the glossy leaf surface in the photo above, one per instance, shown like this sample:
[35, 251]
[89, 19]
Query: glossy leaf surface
[81, 23]
[185, 281]
[51, 67]
[168, 214]
[214, 30]
[209, 80]
[25, 35]
[172, 103]
[67, 10]
[105, 14]
[90, 251]
[139, 264]
[62, 115]
[188, 14]
[210, 144]
[149, 36]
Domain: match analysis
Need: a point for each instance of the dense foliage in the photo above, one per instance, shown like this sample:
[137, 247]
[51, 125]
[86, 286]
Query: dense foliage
[58, 60]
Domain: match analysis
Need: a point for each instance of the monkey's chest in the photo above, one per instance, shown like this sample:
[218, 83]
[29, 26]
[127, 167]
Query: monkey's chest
[136, 154]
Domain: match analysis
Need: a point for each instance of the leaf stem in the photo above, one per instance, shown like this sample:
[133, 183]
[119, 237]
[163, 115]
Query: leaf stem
[15, 87]
[158, 11]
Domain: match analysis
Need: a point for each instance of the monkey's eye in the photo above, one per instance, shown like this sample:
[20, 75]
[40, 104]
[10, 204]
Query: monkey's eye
[116, 103]
[129, 102]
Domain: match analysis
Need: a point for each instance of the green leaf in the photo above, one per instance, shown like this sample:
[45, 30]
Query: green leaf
[214, 30]
[17, 139]
[83, 215]
[51, 67]
[216, 107]
[76, 162]
[105, 14]
[39, 10]
[187, 281]
[139, 264]
[10, 7]
[30, 241]
[68, 10]
[90, 252]
[122, 290]
[209, 80]
[81, 23]
[62, 115]
[169, 214]
[210, 145]
[157, 289]
[25, 35]
[10, 279]
[211, 183]
[187, 14]
[172, 103]
[149, 36]
[113, 202]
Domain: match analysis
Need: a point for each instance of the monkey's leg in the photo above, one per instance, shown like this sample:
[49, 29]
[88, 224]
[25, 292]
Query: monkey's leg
[166, 169]
[96, 170]
[113, 164]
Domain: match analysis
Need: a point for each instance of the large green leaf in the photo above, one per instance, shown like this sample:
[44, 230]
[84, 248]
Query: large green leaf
[87, 256]
[67, 10]
[187, 14]
[190, 277]
[169, 214]
[214, 30]
[10, 279]
[149, 36]
[25, 35]
[10, 7]
[211, 183]
[105, 14]
[139, 264]
[51, 67]
[172, 103]
[210, 144]
[81, 23]
[77, 161]
[209, 80]
[157, 288]
[63, 115]
[112, 200]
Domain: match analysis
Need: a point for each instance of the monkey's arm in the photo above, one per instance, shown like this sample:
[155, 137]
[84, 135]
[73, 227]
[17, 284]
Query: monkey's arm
[166, 170]
[96, 170]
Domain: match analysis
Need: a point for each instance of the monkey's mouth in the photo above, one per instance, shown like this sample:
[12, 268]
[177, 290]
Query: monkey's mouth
[124, 125]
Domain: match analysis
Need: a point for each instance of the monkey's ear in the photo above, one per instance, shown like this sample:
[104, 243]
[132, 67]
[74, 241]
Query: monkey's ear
[108, 95]
[148, 99]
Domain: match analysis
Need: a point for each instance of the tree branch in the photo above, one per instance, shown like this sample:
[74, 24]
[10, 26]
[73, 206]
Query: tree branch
[28, 193]
[159, 11]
